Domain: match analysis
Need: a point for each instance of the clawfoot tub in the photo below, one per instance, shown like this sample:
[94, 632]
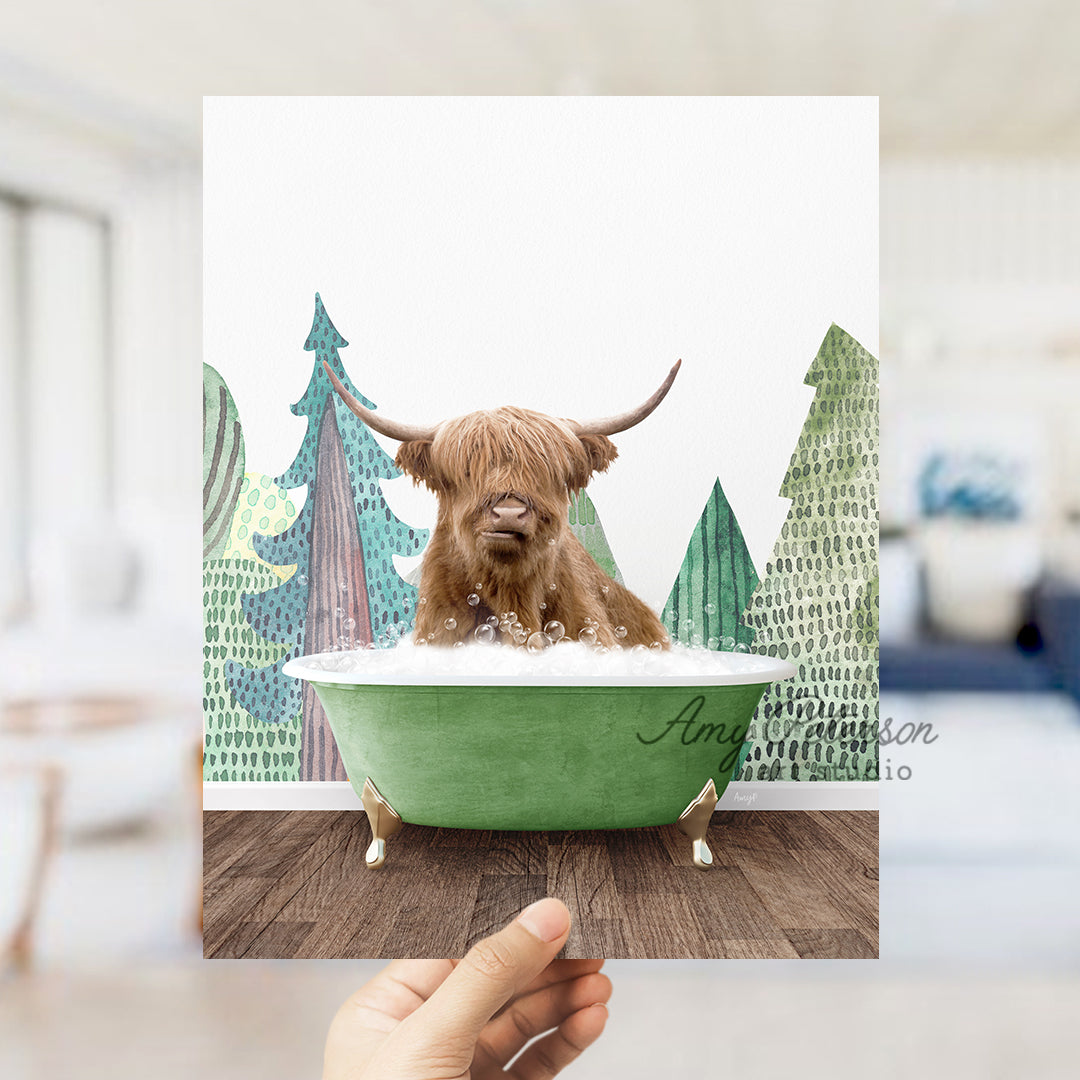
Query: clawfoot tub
[545, 752]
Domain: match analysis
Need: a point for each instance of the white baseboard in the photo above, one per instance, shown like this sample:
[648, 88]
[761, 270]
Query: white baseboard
[741, 795]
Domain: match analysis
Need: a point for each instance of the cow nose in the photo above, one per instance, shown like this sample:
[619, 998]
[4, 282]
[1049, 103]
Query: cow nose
[509, 510]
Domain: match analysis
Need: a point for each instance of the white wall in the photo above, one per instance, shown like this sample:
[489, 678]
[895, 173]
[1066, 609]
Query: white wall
[159, 385]
[13, 582]
[151, 202]
[980, 272]
[556, 253]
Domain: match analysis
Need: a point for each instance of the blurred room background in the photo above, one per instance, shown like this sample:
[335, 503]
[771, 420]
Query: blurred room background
[100, 603]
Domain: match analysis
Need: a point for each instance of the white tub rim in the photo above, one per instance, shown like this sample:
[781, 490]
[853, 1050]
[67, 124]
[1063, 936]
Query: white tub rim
[768, 669]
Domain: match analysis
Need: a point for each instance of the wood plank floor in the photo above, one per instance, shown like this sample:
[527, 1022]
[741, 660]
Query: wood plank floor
[786, 884]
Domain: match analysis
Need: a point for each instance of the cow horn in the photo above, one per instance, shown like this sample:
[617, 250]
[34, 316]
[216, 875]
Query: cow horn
[611, 425]
[390, 428]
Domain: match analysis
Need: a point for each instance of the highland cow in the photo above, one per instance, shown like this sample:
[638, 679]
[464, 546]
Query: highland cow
[502, 538]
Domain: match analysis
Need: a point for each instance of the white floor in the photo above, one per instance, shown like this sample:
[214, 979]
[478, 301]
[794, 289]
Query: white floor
[980, 848]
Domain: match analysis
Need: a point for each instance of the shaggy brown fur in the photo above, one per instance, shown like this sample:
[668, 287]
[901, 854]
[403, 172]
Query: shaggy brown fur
[530, 463]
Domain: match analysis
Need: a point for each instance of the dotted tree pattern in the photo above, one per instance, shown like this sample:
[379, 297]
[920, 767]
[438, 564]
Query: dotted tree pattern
[386, 599]
[238, 746]
[817, 604]
[263, 507]
[585, 525]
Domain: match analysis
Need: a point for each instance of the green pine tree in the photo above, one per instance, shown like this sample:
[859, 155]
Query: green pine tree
[586, 526]
[714, 584]
[817, 603]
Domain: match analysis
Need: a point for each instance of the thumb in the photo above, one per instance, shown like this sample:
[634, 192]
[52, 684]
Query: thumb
[492, 972]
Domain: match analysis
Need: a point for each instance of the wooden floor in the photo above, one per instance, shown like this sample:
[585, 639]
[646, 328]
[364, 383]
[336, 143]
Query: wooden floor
[785, 884]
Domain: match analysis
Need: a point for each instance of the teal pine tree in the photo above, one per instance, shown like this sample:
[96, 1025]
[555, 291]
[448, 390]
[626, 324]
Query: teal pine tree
[714, 584]
[346, 587]
[817, 603]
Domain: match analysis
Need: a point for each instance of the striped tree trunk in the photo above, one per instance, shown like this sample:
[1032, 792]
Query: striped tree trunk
[337, 559]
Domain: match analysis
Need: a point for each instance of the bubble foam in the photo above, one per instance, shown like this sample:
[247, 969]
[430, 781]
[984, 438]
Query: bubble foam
[570, 661]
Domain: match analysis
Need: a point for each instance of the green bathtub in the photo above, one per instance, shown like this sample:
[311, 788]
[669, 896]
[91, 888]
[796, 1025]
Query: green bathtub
[503, 752]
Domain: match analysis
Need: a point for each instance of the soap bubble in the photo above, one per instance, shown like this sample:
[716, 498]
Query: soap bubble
[421, 641]
[713, 643]
[543, 606]
[492, 621]
[555, 630]
[451, 623]
[695, 640]
[728, 644]
[552, 541]
[688, 625]
[484, 634]
[604, 589]
[473, 599]
[422, 600]
[511, 616]
[656, 646]
[303, 579]
[742, 647]
[431, 636]
[551, 587]
[587, 636]
[520, 637]
[640, 651]
[478, 587]
[350, 624]
[344, 586]
[620, 631]
[538, 642]
[710, 609]
[459, 644]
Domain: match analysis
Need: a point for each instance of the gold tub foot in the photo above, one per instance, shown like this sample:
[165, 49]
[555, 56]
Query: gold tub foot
[384, 822]
[694, 822]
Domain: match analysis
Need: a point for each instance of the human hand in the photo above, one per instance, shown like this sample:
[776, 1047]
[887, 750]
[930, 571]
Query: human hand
[466, 1019]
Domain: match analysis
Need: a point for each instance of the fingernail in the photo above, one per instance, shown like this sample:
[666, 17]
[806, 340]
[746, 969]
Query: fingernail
[547, 919]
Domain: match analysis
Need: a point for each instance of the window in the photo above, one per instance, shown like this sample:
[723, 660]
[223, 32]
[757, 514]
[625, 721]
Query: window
[56, 426]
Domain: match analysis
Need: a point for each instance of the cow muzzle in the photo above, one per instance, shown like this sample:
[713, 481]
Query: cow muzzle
[510, 519]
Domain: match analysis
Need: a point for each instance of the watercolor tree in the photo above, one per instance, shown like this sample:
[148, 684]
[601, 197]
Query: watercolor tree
[346, 589]
[585, 525]
[817, 603]
[714, 584]
[237, 746]
[223, 462]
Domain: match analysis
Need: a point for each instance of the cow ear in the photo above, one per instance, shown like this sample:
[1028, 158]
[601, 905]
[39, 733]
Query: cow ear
[599, 453]
[414, 459]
